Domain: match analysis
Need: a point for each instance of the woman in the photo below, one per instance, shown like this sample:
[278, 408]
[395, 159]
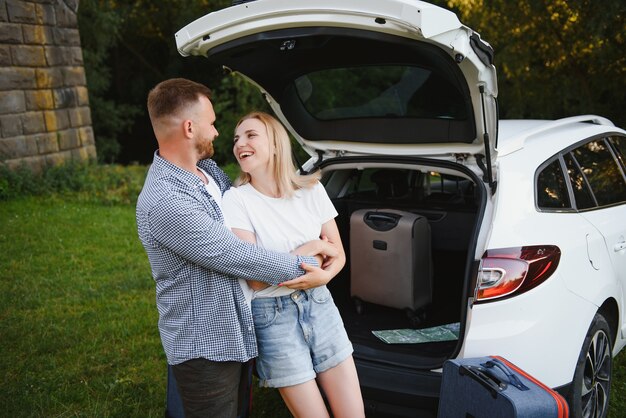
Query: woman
[300, 334]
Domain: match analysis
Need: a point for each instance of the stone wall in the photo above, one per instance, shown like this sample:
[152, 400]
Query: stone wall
[44, 107]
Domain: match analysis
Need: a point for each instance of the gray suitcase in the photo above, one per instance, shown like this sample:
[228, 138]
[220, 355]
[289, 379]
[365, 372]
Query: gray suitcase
[390, 259]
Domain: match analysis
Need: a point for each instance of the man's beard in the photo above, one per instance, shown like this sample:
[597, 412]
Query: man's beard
[205, 149]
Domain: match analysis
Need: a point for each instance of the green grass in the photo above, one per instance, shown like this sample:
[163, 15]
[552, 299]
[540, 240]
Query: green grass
[77, 313]
[78, 321]
[618, 389]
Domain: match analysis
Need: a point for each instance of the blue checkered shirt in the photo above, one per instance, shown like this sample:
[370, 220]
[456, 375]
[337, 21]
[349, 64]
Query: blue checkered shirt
[195, 263]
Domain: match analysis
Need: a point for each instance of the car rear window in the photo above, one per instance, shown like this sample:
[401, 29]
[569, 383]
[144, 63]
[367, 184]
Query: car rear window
[380, 91]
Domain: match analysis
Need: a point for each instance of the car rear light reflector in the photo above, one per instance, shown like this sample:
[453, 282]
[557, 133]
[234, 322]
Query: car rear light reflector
[507, 272]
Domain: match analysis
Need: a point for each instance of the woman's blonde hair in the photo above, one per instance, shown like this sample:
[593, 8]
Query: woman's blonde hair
[285, 175]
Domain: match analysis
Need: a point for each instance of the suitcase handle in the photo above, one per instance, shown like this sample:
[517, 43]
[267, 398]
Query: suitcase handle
[513, 379]
[381, 221]
[486, 379]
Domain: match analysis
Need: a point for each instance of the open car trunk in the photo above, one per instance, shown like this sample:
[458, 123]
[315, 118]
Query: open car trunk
[395, 100]
[447, 195]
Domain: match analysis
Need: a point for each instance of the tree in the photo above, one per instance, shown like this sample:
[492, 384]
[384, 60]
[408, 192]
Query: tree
[110, 118]
[555, 58]
[130, 47]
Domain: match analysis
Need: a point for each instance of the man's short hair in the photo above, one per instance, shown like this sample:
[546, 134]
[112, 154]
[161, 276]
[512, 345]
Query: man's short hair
[170, 96]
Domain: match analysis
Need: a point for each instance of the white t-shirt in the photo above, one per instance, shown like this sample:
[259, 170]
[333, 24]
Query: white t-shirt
[280, 224]
[212, 187]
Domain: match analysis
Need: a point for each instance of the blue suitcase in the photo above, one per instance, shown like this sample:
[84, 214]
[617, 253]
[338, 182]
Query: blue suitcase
[492, 387]
[174, 405]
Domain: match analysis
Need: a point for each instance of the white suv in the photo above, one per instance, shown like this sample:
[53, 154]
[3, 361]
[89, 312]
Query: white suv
[395, 100]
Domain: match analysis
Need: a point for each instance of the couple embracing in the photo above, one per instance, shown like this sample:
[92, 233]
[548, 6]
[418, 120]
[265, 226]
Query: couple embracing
[241, 272]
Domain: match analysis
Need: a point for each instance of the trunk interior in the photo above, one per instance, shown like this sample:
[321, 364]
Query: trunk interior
[450, 203]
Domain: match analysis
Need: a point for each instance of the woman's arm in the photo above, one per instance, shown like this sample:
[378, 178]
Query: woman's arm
[331, 267]
[322, 250]
[251, 238]
[330, 232]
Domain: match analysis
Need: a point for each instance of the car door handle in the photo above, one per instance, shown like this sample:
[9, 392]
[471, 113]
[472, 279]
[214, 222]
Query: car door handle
[619, 246]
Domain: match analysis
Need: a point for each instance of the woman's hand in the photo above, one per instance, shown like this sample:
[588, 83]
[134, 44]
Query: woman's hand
[317, 247]
[314, 277]
[322, 249]
[330, 249]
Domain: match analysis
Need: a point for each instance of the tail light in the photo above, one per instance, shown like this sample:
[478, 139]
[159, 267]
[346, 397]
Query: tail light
[507, 272]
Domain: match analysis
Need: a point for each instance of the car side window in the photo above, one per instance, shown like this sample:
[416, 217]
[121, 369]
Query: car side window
[552, 188]
[619, 142]
[582, 194]
[602, 172]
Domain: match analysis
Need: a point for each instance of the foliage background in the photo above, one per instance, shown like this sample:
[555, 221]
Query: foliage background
[555, 58]
[128, 48]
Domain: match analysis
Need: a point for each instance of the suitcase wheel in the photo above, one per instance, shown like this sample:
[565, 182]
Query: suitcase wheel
[416, 317]
[359, 305]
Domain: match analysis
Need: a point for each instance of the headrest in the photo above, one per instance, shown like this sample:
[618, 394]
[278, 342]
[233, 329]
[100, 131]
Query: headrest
[391, 183]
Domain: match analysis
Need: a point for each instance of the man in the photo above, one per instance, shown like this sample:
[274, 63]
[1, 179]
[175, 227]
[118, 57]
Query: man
[205, 323]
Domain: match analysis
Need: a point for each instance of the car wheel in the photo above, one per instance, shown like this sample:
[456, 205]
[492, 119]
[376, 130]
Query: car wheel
[589, 397]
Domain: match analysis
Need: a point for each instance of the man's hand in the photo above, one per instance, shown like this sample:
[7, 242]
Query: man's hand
[314, 277]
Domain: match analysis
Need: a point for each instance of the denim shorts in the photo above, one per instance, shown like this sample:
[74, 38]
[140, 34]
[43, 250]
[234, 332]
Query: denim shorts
[299, 335]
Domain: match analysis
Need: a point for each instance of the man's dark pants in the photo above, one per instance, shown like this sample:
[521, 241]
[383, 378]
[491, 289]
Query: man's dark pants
[208, 388]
